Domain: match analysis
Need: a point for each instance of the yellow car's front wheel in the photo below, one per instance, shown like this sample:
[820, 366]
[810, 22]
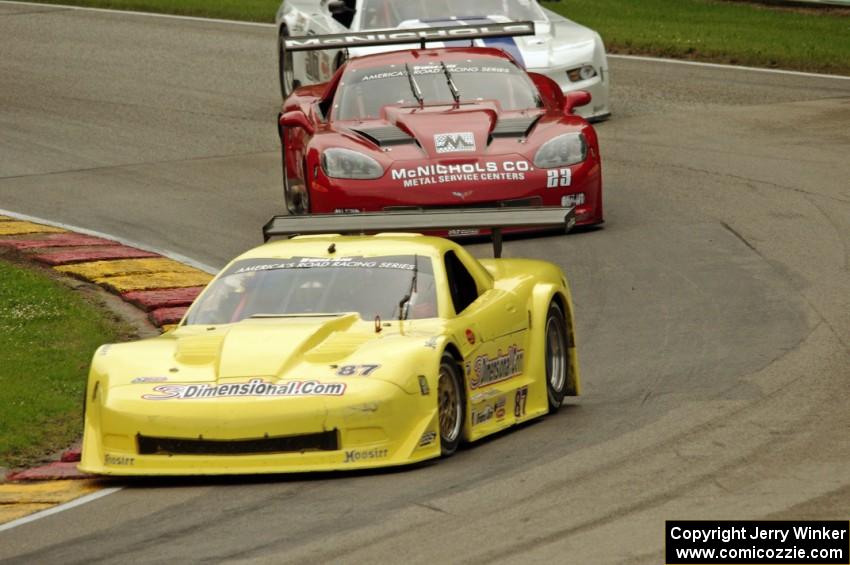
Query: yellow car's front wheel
[450, 404]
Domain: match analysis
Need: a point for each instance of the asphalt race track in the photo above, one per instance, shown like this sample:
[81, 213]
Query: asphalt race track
[713, 308]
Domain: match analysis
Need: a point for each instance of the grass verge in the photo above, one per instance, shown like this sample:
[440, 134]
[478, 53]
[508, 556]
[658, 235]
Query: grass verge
[738, 33]
[48, 333]
[723, 31]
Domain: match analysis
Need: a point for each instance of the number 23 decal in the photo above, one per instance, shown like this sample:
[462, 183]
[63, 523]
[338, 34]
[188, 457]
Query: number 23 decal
[361, 370]
[558, 177]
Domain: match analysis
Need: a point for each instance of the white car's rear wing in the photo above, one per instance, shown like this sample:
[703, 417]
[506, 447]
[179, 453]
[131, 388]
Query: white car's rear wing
[402, 36]
[493, 219]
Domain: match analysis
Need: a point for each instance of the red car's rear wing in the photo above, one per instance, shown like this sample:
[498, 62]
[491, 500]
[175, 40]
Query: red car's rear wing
[494, 219]
[402, 36]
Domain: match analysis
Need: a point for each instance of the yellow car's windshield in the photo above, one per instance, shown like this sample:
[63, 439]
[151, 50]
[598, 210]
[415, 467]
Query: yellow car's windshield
[385, 286]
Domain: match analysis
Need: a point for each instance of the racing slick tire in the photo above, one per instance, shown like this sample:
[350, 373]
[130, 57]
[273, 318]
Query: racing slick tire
[450, 404]
[297, 202]
[285, 66]
[556, 356]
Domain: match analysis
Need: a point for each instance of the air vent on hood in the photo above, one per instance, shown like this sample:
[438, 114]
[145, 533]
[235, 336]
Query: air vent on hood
[514, 127]
[383, 136]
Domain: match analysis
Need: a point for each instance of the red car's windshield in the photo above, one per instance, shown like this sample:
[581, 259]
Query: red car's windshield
[371, 286]
[364, 92]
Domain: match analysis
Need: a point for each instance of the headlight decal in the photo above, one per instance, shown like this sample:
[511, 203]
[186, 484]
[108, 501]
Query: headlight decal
[562, 151]
[342, 163]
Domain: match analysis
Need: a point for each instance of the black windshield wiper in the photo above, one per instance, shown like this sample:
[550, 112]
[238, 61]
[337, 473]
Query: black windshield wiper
[451, 83]
[402, 312]
[417, 92]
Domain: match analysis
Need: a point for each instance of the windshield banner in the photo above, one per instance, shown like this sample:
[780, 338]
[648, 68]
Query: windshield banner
[392, 262]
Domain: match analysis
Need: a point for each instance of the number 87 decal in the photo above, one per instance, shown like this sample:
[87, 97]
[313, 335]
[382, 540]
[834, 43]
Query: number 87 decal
[351, 370]
[520, 401]
[559, 177]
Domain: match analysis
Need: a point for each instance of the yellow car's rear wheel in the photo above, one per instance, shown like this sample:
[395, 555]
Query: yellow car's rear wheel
[450, 404]
[557, 359]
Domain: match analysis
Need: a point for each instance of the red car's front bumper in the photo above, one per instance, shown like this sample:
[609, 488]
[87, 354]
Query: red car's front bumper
[510, 181]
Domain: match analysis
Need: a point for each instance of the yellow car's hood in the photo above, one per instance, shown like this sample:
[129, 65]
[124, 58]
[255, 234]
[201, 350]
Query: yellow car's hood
[268, 346]
[295, 347]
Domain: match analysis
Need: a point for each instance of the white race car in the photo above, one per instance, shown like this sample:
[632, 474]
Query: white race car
[571, 54]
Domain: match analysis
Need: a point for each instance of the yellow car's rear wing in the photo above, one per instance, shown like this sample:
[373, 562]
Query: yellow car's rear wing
[493, 219]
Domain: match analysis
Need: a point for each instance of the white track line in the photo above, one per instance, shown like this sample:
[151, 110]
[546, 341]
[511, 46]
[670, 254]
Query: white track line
[730, 67]
[257, 24]
[171, 255]
[61, 508]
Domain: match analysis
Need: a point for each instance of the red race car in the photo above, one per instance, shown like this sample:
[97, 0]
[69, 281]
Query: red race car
[443, 127]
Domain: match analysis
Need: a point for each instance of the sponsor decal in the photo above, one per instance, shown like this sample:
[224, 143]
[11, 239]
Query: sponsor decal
[458, 142]
[462, 195]
[559, 178]
[482, 416]
[499, 408]
[254, 388]
[328, 262]
[347, 210]
[423, 386]
[409, 36]
[520, 401]
[355, 455]
[482, 171]
[432, 342]
[495, 410]
[460, 232]
[357, 370]
[120, 460]
[485, 395]
[493, 370]
[418, 70]
[143, 380]
[427, 438]
[572, 199]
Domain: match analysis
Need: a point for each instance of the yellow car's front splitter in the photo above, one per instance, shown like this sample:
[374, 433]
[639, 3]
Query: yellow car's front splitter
[374, 424]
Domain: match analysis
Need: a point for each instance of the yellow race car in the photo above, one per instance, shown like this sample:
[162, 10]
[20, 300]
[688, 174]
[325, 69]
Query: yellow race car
[332, 352]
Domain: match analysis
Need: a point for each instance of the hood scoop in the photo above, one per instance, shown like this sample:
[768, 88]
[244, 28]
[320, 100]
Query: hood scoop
[338, 346]
[514, 127]
[384, 136]
[198, 349]
[266, 347]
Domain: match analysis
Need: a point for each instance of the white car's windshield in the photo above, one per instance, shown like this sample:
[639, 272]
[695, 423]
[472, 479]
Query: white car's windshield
[371, 286]
[364, 92]
[381, 14]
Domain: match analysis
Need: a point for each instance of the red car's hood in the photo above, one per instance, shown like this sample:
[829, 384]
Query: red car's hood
[446, 132]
